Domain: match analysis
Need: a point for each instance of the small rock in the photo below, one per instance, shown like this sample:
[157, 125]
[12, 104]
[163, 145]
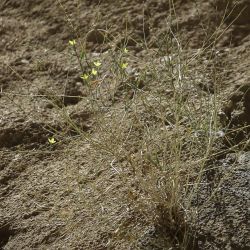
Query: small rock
[96, 36]
[25, 61]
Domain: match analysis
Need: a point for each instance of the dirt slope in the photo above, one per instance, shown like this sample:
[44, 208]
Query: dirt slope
[69, 195]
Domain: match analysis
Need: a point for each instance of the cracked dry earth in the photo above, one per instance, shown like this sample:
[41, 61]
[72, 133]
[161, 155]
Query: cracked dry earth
[69, 195]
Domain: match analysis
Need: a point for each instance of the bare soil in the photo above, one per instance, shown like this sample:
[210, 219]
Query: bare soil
[71, 196]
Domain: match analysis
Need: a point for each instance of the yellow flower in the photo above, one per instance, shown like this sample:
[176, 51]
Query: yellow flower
[125, 50]
[124, 65]
[72, 42]
[52, 140]
[97, 64]
[85, 77]
[94, 72]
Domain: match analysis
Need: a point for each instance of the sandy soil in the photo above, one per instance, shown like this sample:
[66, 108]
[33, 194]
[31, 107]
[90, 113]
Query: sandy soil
[71, 196]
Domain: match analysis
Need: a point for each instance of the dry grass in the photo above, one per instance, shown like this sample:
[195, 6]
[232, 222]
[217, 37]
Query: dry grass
[156, 127]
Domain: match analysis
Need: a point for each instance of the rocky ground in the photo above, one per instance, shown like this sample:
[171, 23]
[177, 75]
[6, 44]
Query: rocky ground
[84, 193]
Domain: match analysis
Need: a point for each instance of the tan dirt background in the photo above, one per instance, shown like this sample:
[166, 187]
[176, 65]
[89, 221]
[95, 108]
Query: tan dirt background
[67, 195]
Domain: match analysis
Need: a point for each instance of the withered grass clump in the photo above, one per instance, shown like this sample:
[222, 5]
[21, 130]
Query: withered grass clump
[156, 129]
